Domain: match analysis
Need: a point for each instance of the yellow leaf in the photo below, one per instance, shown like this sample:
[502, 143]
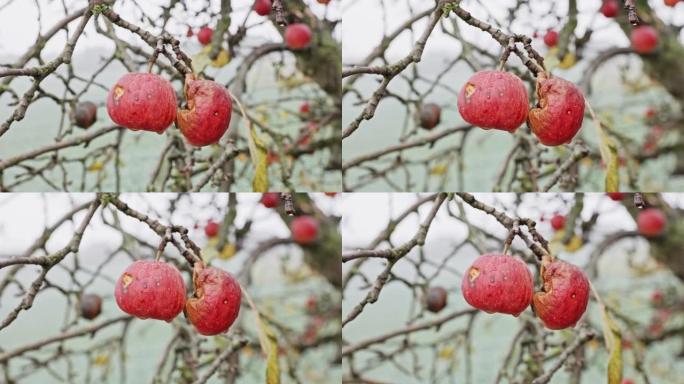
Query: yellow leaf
[613, 340]
[268, 343]
[272, 363]
[438, 170]
[569, 61]
[258, 152]
[222, 59]
[574, 244]
[227, 252]
[609, 155]
[96, 166]
[101, 360]
[446, 353]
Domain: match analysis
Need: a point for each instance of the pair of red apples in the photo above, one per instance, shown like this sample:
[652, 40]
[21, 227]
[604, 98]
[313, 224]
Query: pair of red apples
[145, 101]
[498, 100]
[156, 290]
[498, 283]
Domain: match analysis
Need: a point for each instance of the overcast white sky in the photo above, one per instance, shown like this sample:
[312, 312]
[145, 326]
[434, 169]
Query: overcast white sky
[19, 26]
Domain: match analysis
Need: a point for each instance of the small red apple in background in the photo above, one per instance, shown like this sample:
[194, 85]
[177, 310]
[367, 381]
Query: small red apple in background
[323, 1]
[494, 99]
[204, 35]
[211, 229]
[650, 113]
[671, 3]
[85, 114]
[430, 115]
[298, 36]
[311, 304]
[560, 113]
[558, 222]
[151, 290]
[270, 199]
[644, 39]
[262, 7]
[564, 297]
[498, 283]
[616, 196]
[610, 8]
[207, 116]
[90, 305]
[216, 302]
[272, 157]
[304, 230]
[551, 38]
[656, 297]
[435, 299]
[627, 381]
[305, 108]
[331, 194]
[651, 222]
[142, 101]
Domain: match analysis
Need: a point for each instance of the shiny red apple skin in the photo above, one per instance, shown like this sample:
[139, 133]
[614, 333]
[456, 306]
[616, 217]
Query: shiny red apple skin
[551, 38]
[494, 100]
[204, 35]
[651, 222]
[298, 36]
[262, 7]
[644, 39]
[151, 290]
[304, 229]
[142, 101]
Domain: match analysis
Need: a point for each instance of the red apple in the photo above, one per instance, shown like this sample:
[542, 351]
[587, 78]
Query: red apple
[216, 302]
[211, 229]
[204, 35]
[494, 99]
[151, 290]
[331, 194]
[558, 222]
[498, 283]
[270, 199]
[297, 36]
[560, 111]
[551, 38]
[85, 114]
[323, 1]
[651, 222]
[262, 7]
[610, 8]
[304, 108]
[207, 115]
[430, 115]
[91, 305]
[671, 3]
[644, 39]
[616, 196]
[304, 230]
[142, 101]
[564, 297]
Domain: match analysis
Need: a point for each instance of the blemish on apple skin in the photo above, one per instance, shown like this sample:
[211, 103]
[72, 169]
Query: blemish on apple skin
[127, 280]
[118, 92]
[470, 89]
[473, 273]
